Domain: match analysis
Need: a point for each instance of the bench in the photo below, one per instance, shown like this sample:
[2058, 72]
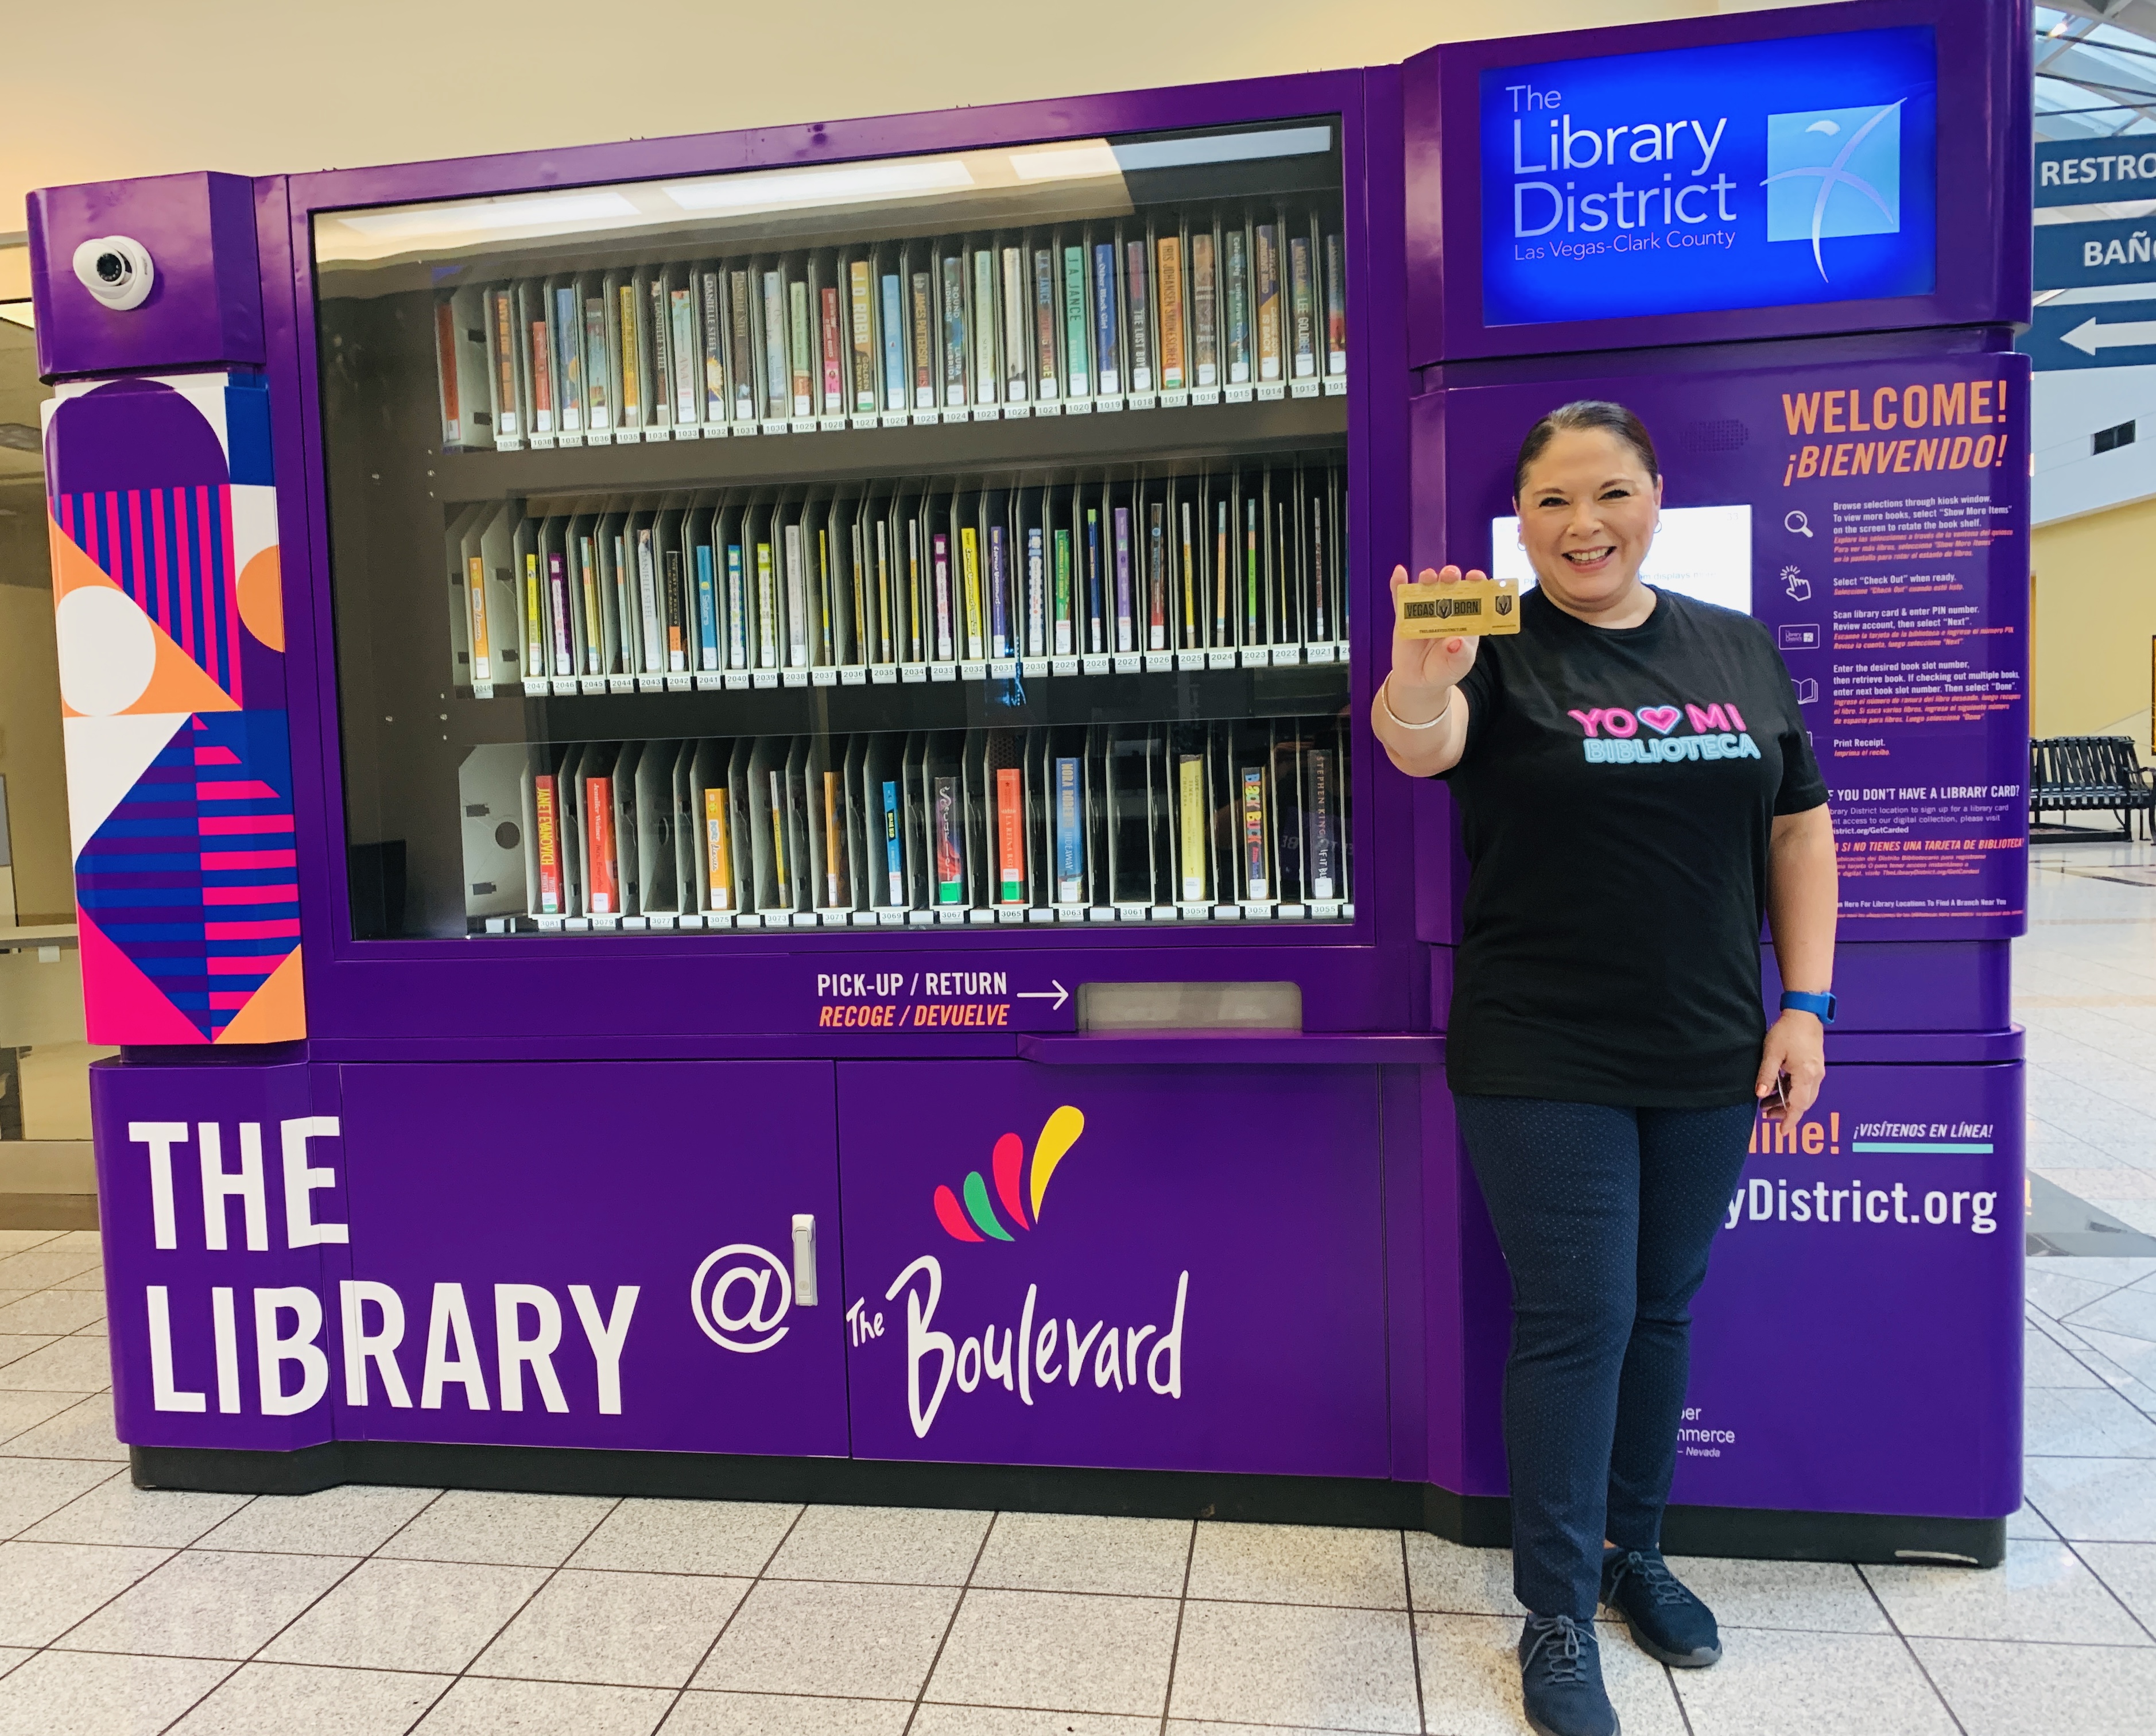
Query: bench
[2080, 775]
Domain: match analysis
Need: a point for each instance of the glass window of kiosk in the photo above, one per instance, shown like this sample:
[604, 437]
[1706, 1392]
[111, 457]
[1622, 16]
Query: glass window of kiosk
[951, 540]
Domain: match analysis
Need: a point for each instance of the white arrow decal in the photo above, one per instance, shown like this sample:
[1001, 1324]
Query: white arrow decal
[2088, 337]
[1059, 994]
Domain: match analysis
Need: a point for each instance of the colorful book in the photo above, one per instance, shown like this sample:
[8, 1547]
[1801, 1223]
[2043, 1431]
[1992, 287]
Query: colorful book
[1169, 274]
[1036, 594]
[537, 661]
[838, 881]
[598, 404]
[1191, 620]
[1137, 281]
[651, 606]
[800, 349]
[1126, 626]
[1204, 309]
[687, 349]
[676, 604]
[999, 595]
[1097, 622]
[1268, 302]
[557, 592]
[940, 554]
[834, 357]
[1301, 308]
[777, 369]
[1077, 362]
[985, 325]
[767, 610]
[1220, 580]
[924, 342]
[659, 321]
[714, 347]
[506, 407]
[1015, 307]
[894, 847]
[1010, 834]
[1238, 287]
[542, 382]
[740, 322]
[707, 609]
[1190, 778]
[954, 330]
[969, 570]
[605, 886]
[736, 609]
[569, 345]
[718, 850]
[1043, 322]
[1069, 833]
[1064, 633]
[950, 848]
[1255, 858]
[632, 358]
[1156, 578]
[1336, 307]
[781, 879]
[1107, 348]
[547, 830]
[482, 641]
[586, 602]
[863, 338]
[1320, 843]
[894, 346]
[797, 597]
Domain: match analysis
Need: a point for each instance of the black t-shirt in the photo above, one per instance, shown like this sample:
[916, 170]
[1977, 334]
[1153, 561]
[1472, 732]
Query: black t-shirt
[1616, 793]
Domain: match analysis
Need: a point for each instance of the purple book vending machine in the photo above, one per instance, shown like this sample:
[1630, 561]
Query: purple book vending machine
[721, 809]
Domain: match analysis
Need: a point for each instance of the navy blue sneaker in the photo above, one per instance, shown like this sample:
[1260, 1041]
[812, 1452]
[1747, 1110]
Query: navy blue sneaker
[1666, 1622]
[1561, 1678]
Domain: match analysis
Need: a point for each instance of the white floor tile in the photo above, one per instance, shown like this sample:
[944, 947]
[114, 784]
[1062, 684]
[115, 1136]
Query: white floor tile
[1450, 1580]
[1807, 1684]
[354, 1519]
[505, 1530]
[1061, 1552]
[1998, 1689]
[2129, 1570]
[1296, 1664]
[885, 1545]
[1070, 1652]
[735, 1537]
[1815, 1596]
[116, 1511]
[2102, 1500]
[85, 1693]
[630, 1630]
[2042, 1591]
[30, 1489]
[870, 1641]
[1299, 1565]
[701, 1713]
[45, 1589]
[479, 1707]
[304, 1700]
[206, 1604]
[429, 1616]
[84, 1429]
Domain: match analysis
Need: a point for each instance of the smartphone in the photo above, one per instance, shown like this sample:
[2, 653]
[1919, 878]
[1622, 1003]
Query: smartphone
[1779, 1098]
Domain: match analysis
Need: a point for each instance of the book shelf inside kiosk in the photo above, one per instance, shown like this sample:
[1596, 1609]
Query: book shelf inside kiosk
[957, 539]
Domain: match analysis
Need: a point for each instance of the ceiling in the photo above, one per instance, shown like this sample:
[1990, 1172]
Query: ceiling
[2096, 69]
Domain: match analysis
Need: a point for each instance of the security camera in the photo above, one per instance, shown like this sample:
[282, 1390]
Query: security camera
[116, 269]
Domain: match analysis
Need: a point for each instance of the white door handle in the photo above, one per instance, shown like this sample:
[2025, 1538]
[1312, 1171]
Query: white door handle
[804, 1259]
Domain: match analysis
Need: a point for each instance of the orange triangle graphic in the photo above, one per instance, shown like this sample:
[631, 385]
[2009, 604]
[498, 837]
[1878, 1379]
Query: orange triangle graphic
[275, 1013]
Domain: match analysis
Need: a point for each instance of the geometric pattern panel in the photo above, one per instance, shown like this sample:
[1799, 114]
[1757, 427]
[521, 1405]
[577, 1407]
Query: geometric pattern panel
[166, 584]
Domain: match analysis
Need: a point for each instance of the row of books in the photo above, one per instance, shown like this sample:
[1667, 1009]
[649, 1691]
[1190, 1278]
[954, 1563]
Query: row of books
[895, 582]
[1155, 310]
[1163, 822]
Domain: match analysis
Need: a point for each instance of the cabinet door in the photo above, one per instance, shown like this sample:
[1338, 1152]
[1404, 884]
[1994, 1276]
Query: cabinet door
[1167, 1268]
[593, 1254]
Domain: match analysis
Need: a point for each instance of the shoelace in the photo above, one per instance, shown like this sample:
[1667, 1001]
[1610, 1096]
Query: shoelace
[1661, 1584]
[1560, 1663]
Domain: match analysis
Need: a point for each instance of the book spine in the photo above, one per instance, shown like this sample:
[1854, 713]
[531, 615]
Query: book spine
[800, 349]
[1043, 322]
[1269, 302]
[569, 345]
[782, 881]
[557, 592]
[1125, 628]
[1157, 580]
[924, 342]
[688, 354]
[718, 849]
[1190, 771]
[954, 330]
[1010, 834]
[714, 347]
[1064, 642]
[1108, 349]
[998, 592]
[1204, 311]
[836, 882]
[939, 551]
[482, 641]
[542, 382]
[1069, 833]
[1036, 600]
[1192, 624]
[660, 330]
[797, 598]
[707, 609]
[834, 357]
[741, 320]
[547, 826]
[588, 566]
[1220, 579]
[1138, 281]
[677, 636]
[650, 610]
[605, 889]
[864, 336]
[1302, 307]
[894, 346]
[632, 357]
[1317, 820]
[1077, 370]
[1015, 306]
[969, 568]
[886, 638]
[507, 408]
[1336, 307]
[1169, 274]
[949, 847]
[986, 374]
[1250, 604]
[445, 359]
[596, 369]
[778, 371]
[1096, 624]
[1238, 274]
[536, 661]
[767, 610]
[1254, 876]
[736, 610]
[894, 847]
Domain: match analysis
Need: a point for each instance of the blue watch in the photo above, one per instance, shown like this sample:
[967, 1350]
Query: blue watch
[1819, 1006]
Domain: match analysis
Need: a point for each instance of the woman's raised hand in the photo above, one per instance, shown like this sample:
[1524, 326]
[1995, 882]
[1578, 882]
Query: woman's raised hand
[1426, 671]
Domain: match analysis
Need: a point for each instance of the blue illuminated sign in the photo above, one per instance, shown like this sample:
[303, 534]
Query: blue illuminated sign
[1758, 174]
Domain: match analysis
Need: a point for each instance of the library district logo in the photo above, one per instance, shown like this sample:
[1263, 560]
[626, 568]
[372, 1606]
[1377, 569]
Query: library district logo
[1833, 172]
[1040, 1354]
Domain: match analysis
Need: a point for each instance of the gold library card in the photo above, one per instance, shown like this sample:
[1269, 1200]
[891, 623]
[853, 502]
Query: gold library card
[1468, 607]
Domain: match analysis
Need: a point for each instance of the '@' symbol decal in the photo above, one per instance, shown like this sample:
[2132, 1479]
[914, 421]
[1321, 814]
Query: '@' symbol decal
[976, 1220]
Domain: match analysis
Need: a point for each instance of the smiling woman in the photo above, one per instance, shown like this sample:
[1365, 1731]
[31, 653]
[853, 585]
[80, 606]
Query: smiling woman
[1636, 790]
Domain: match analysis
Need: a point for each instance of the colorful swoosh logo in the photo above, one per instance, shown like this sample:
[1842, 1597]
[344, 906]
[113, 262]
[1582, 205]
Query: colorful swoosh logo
[976, 1219]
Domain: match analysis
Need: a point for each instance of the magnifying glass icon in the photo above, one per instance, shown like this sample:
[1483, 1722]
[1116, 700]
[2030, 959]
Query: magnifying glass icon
[1798, 522]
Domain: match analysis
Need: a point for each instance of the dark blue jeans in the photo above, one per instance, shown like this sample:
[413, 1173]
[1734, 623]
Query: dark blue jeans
[1605, 1216]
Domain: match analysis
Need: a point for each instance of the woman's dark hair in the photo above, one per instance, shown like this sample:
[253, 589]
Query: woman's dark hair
[1585, 412]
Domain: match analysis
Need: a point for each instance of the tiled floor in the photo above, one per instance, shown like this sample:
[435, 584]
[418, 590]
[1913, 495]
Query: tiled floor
[362, 1611]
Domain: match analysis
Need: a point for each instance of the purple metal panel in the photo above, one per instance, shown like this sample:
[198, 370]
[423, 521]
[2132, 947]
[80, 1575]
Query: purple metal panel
[1227, 1301]
[1264, 1049]
[1913, 985]
[1983, 184]
[205, 304]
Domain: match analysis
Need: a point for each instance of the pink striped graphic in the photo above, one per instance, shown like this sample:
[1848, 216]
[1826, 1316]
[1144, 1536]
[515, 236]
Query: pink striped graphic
[243, 789]
[277, 928]
[214, 859]
[216, 757]
[235, 825]
[227, 587]
[286, 893]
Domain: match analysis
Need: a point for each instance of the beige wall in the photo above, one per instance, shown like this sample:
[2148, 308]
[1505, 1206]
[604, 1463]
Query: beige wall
[145, 87]
[2095, 610]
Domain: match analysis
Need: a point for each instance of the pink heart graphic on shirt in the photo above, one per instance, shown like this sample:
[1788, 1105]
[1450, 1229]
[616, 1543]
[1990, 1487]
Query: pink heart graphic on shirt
[1661, 718]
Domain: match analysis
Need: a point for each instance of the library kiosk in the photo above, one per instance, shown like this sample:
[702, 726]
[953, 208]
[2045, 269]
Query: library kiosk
[722, 807]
